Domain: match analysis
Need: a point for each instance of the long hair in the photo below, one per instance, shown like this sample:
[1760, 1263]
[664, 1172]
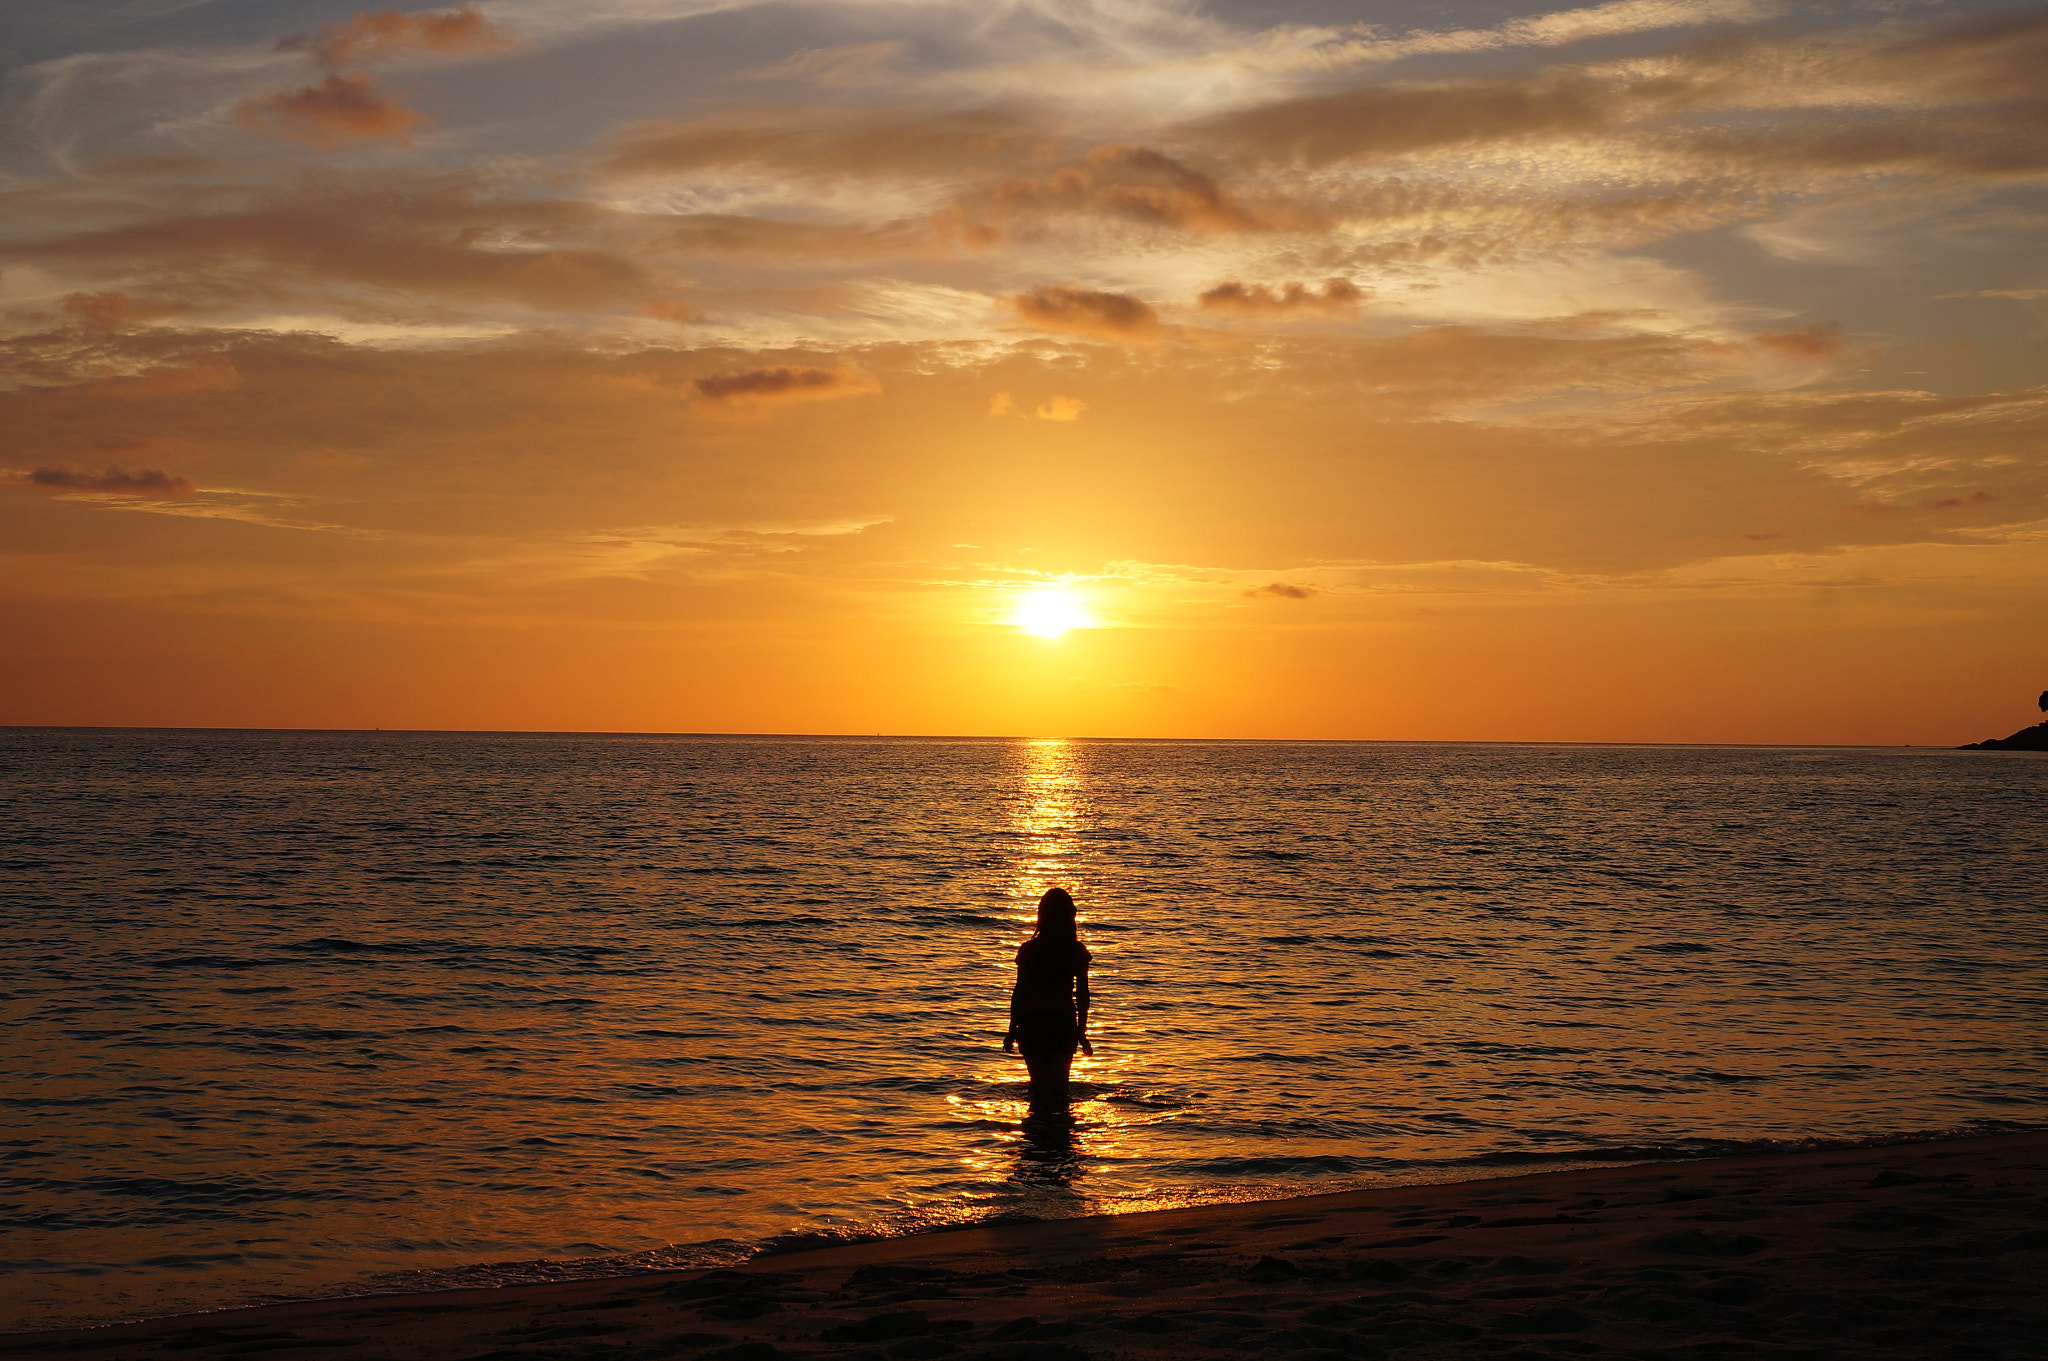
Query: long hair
[1056, 919]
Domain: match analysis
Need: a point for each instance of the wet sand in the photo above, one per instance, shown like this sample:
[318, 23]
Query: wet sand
[1917, 1250]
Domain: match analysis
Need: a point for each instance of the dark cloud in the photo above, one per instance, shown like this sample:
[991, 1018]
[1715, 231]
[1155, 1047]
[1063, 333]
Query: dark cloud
[1283, 590]
[1337, 295]
[782, 383]
[1084, 311]
[141, 482]
[1139, 184]
[340, 109]
[375, 35]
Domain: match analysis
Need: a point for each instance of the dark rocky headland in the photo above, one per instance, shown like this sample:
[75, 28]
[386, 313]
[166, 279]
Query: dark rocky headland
[2026, 739]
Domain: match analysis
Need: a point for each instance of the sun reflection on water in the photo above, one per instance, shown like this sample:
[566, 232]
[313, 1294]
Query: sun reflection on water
[1047, 820]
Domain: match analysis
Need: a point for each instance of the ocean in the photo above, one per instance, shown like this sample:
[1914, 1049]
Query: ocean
[304, 1013]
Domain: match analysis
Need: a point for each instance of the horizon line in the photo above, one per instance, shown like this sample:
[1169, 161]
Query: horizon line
[979, 737]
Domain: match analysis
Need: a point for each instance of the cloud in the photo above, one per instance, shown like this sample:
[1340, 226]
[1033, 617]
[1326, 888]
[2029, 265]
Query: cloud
[1961, 98]
[1216, 459]
[1135, 183]
[1136, 57]
[835, 68]
[418, 237]
[670, 309]
[379, 35]
[768, 239]
[1084, 311]
[111, 311]
[1819, 340]
[1380, 121]
[828, 142]
[340, 109]
[115, 480]
[1282, 590]
[1002, 404]
[2021, 294]
[1338, 295]
[1570, 26]
[983, 165]
[638, 547]
[783, 384]
[746, 209]
[1061, 409]
[1979, 57]
[347, 106]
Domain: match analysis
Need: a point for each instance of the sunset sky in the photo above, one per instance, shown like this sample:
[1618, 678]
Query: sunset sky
[1654, 370]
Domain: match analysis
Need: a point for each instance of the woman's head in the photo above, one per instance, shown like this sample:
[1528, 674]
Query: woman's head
[1056, 915]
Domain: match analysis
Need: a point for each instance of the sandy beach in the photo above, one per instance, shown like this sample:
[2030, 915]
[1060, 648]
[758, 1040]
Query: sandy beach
[1916, 1250]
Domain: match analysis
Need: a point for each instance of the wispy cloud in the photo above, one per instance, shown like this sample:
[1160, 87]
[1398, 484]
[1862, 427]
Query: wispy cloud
[836, 68]
[2018, 294]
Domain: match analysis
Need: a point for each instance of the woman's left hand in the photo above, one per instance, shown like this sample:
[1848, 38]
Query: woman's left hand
[1087, 1048]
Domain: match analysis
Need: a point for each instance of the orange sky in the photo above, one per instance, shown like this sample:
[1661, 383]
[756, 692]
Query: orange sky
[1657, 370]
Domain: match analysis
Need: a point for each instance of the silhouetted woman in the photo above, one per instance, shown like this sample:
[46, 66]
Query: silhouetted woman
[1049, 1005]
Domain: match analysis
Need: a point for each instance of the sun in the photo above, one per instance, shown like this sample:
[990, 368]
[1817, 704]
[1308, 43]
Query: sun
[1049, 611]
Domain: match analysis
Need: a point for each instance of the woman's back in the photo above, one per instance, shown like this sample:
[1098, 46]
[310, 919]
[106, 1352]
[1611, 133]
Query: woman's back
[1046, 974]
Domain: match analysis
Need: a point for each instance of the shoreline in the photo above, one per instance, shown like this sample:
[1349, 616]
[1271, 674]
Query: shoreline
[690, 1257]
[1891, 1249]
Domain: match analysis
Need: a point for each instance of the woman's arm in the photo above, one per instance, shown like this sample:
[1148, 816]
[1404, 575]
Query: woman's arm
[1010, 1035]
[1081, 1007]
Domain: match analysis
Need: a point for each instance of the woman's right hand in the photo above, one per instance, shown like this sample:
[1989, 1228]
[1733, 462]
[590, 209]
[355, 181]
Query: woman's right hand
[1010, 1043]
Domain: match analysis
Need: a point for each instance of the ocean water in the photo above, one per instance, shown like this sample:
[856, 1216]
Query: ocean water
[301, 1013]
